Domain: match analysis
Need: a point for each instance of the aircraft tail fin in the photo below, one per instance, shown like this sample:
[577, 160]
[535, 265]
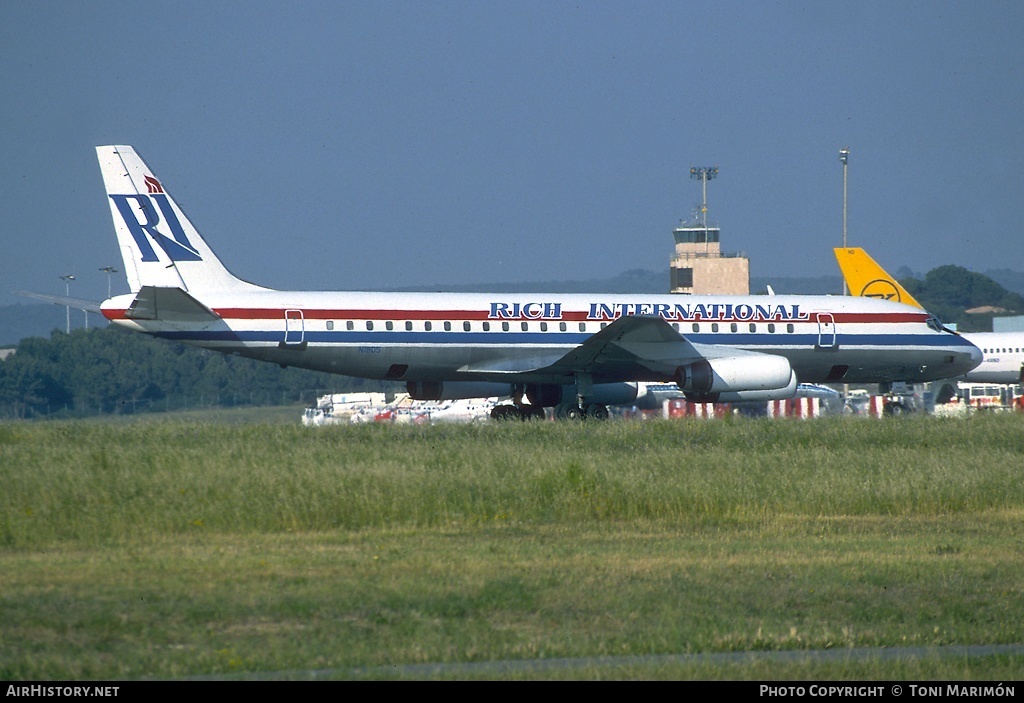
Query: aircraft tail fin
[158, 243]
[867, 279]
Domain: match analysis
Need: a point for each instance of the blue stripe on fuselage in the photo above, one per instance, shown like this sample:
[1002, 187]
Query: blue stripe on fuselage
[442, 339]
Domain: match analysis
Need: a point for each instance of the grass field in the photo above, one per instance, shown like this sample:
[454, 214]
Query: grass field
[206, 546]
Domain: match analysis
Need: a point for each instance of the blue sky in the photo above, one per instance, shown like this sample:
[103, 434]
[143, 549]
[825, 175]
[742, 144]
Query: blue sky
[362, 145]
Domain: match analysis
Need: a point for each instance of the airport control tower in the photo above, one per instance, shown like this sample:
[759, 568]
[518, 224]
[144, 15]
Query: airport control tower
[698, 264]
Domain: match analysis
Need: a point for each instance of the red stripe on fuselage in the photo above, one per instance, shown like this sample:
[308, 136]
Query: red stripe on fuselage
[567, 316]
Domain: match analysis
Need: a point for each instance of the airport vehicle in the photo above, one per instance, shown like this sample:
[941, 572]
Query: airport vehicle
[991, 396]
[1002, 352]
[576, 353]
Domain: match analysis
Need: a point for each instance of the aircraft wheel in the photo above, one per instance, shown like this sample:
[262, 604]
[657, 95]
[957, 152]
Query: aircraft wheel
[573, 412]
[562, 411]
[895, 409]
[596, 411]
[532, 412]
[504, 412]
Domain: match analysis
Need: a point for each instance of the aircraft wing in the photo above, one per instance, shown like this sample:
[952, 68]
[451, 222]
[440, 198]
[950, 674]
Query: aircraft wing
[630, 340]
[76, 303]
[635, 347]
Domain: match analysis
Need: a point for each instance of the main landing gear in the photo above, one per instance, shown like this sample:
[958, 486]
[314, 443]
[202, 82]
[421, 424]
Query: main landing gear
[587, 411]
[579, 410]
[564, 411]
[517, 412]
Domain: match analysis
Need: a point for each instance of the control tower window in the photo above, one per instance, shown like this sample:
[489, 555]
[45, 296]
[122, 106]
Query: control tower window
[696, 235]
[682, 278]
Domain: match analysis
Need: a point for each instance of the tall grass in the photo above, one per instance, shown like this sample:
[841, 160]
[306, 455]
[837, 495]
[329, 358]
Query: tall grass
[179, 548]
[103, 483]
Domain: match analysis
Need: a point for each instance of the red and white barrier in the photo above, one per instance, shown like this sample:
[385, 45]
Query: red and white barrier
[680, 407]
[795, 407]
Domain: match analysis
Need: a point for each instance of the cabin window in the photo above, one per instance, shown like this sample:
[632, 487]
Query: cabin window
[543, 327]
[583, 327]
[330, 324]
[487, 327]
[561, 327]
[714, 326]
[696, 327]
[389, 325]
[427, 326]
[753, 327]
[525, 326]
[789, 328]
[733, 327]
[447, 326]
[369, 324]
[408, 326]
[771, 326]
[465, 326]
[675, 326]
[350, 325]
[504, 327]
[603, 325]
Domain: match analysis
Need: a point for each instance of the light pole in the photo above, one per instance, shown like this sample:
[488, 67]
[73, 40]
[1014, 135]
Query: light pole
[844, 156]
[67, 278]
[704, 174]
[109, 270]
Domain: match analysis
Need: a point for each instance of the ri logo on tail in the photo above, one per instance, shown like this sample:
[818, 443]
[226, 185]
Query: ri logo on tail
[159, 245]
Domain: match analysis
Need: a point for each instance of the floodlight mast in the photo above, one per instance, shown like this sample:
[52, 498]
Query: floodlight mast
[67, 278]
[109, 270]
[704, 174]
[844, 156]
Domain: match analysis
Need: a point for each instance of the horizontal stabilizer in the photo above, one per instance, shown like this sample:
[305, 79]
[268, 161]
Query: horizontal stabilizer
[76, 303]
[168, 305]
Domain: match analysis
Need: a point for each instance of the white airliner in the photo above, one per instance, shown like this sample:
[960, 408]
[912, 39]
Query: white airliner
[1002, 352]
[576, 353]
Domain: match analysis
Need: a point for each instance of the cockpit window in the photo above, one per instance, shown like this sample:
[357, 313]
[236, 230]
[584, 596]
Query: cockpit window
[933, 323]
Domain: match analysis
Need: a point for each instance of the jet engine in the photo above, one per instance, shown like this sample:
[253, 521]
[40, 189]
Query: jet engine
[734, 379]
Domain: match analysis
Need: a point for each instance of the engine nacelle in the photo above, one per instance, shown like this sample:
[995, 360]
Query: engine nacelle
[737, 374]
[456, 390]
[749, 396]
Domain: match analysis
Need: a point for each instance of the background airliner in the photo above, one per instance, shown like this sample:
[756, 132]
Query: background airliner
[576, 353]
[1002, 352]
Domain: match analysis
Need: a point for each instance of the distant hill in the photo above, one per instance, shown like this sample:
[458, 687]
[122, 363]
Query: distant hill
[643, 282]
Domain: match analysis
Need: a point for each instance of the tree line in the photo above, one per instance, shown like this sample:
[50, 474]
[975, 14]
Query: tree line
[949, 291]
[110, 370]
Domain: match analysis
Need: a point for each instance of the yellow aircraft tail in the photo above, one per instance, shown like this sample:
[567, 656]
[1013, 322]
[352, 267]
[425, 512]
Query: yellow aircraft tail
[867, 279]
